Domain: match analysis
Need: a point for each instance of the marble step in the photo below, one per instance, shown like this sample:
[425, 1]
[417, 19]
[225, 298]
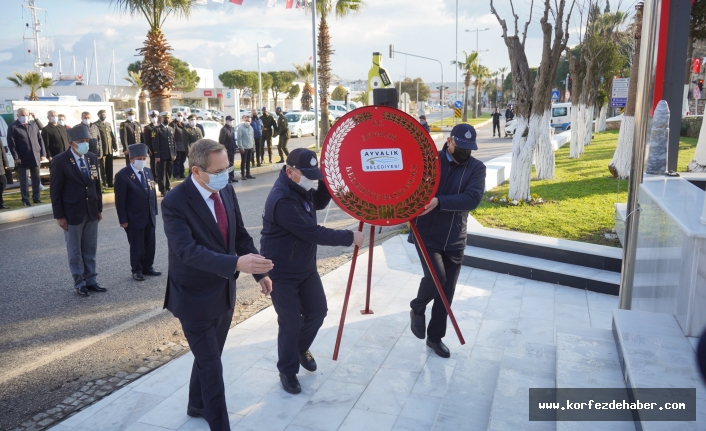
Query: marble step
[588, 358]
[556, 249]
[549, 271]
[654, 353]
[524, 365]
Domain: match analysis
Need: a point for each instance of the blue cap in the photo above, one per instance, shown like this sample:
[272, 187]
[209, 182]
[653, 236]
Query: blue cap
[465, 136]
[305, 160]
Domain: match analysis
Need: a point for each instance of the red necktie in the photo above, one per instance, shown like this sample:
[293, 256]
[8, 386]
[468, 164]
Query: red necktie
[221, 216]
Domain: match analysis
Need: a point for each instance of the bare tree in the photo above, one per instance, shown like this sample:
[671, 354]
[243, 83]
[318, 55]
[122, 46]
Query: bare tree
[533, 102]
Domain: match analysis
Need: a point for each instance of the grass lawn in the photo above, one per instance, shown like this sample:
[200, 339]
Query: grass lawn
[579, 201]
[449, 121]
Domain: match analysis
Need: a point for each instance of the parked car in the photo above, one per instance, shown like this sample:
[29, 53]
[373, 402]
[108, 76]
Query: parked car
[336, 109]
[201, 114]
[212, 129]
[510, 128]
[561, 116]
[300, 123]
[183, 109]
[216, 115]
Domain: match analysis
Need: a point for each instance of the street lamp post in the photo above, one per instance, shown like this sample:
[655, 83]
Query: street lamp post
[259, 74]
[478, 30]
[441, 90]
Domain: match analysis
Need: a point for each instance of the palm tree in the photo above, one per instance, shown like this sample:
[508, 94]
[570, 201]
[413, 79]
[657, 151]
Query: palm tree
[305, 71]
[466, 66]
[341, 8]
[32, 80]
[480, 72]
[135, 80]
[157, 75]
[502, 71]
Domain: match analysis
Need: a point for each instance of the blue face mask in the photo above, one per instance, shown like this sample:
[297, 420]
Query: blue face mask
[217, 181]
[82, 148]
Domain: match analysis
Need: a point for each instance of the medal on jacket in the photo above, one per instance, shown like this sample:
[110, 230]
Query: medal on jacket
[94, 172]
[306, 205]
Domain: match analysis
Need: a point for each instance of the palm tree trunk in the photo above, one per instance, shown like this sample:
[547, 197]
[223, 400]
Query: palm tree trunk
[324, 66]
[142, 107]
[465, 104]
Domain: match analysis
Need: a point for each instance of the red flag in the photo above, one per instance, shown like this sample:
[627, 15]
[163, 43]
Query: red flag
[238, 2]
[290, 3]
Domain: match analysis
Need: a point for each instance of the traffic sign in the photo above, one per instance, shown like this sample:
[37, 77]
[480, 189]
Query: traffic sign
[458, 104]
[620, 88]
[619, 102]
[556, 95]
[457, 112]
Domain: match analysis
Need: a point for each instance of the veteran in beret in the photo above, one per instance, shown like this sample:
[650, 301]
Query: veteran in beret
[136, 205]
[77, 205]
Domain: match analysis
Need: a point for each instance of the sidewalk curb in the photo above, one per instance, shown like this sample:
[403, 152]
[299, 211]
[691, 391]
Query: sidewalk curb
[477, 126]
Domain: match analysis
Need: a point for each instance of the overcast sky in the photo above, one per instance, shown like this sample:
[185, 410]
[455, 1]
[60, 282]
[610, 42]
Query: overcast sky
[224, 36]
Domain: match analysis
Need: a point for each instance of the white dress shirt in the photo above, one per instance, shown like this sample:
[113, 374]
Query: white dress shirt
[206, 195]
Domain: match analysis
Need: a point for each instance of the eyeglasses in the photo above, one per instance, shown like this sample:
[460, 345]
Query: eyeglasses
[227, 170]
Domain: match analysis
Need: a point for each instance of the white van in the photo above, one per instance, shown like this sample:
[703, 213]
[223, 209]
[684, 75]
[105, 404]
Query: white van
[300, 123]
[183, 109]
[3, 139]
[561, 116]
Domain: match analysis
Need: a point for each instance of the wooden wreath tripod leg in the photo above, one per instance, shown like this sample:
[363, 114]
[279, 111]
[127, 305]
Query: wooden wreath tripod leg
[427, 260]
[370, 271]
[345, 301]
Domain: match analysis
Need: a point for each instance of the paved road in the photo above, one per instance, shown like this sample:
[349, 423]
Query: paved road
[50, 337]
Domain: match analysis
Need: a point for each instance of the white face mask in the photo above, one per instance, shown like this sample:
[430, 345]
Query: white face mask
[305, 183]
[62, 122]
[23, 119]
[180, 119]
[86, 121]
[192, 123]
[138, 164]
[230, 123]
[52, 120]
[130, 117]
[153, 120]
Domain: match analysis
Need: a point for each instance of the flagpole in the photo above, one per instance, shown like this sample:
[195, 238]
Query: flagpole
[316, 76]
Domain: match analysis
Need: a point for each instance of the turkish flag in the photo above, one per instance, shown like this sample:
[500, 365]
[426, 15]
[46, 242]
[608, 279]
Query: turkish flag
[290, 3]
[697, 65]
[238, 2]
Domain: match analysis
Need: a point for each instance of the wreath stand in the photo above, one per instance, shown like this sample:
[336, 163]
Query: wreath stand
[367, 310]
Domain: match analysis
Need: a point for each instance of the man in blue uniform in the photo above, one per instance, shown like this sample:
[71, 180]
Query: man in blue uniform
[77, 204]
[136, 204]
[290, 235]
[442, 227]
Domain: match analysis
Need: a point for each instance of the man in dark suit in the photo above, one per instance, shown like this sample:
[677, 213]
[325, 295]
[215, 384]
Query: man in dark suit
[130, 132]
[77, 204]
[136, 204]
[54, 136]
[147, 137]
[109, 145]
[24, 140]
[4, 165]
[208, 248]
[162, 139]
[227, 139]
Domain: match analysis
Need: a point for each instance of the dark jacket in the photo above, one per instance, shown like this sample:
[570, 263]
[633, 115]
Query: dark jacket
[203, 132]
[496, 117]
[135, 206]
[147, 137]
[4, 163]
[26, 144]
[269, 125]
[193, 134]
[130, 133]
[227, 139]
[256, 124]
[74, 197]
[201, 280]
[290, 232]
[426, 127]
[181, 140]
[282, 126]
[55, 139]
[108, 142]
[509, 115]
[163, 142]
[461, 188]
[95, 143]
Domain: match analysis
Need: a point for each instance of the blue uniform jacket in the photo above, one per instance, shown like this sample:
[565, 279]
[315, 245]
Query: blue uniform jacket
[257, 127]
[135, 206]
[74, 197]
[290, 233]
[460, 190]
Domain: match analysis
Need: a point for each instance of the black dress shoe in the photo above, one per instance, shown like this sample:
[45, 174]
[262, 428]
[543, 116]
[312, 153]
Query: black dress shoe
[306, 360]
[2, 207]
[259, 165]
[82, 291]
[439, 348]
[26, 204]
[418, 325]
[250, 177]
[96, 288]
[195, 413]
[37, 201]
[280, 161]
[138, 276]
[243, 177]
[152, 272]
[290, 384]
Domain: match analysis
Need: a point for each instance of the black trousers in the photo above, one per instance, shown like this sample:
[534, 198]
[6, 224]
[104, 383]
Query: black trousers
[3, 184]
[259, 155]
[178, 165]
[164, 175]
[231, 160]
[206, 388]
[266, 144]
[142, 246]
[301, 309]
[245, 160]
[498, 127]
[282, 147]
[108, 162]
[153, 164]
[24, 186]
[447, 265]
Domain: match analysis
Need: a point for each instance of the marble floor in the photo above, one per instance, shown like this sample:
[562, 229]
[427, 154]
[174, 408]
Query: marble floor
[385, 378]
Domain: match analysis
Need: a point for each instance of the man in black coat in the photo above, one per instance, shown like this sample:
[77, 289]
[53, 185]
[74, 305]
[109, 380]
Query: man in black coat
[162, 140]
[109, 144]
[208, 248]
[181, 143]
[26, 145]
[442, 227]
[269, 126]
[283, 133]
[496, 121]
[4, 165]
[147, 136]
[130, 132]
[136, 205]
[54, 136]
[77, 204]
[227, 139]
